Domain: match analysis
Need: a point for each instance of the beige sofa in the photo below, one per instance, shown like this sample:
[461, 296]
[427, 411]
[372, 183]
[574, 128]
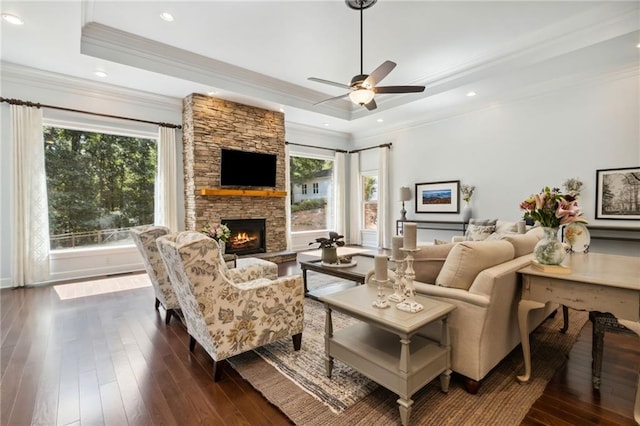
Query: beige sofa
[480, 278]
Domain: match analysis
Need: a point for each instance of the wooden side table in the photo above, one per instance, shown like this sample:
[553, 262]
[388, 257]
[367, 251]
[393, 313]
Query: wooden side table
[385, 346]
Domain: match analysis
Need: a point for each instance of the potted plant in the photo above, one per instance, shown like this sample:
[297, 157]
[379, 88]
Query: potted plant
[329, 246]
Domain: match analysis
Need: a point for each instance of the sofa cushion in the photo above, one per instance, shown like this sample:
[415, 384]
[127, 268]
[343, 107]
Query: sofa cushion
[428, 261]
[468, 258]
[478, 230]
[522, 243]
[504, 227]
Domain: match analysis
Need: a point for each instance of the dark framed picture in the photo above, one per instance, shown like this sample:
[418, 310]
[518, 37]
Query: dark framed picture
[438, 197]
[618, 193]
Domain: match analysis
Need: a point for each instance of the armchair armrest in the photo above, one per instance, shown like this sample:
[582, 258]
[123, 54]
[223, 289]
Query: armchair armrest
[457, 238]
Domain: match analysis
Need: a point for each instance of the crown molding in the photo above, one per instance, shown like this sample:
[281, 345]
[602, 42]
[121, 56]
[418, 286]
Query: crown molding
[590, 28]
[108, 43]
[527, 94]
[23, 75]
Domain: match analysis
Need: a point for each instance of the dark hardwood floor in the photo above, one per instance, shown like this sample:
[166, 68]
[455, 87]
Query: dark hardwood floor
[110, 359]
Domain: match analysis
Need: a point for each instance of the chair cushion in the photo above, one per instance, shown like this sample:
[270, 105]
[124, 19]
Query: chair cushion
[468, 258]
[429, 260]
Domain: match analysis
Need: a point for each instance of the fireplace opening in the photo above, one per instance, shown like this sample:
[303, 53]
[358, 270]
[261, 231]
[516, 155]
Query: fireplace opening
[247, 236]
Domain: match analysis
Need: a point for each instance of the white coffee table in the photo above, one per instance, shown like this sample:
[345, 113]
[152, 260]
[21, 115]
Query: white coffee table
[386, 346]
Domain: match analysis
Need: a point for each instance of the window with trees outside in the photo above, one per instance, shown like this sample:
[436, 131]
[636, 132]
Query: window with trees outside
[99, 185]
[370, 201]
[311, 211]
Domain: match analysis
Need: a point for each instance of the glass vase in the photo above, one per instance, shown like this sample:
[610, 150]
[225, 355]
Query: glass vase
[549, 250]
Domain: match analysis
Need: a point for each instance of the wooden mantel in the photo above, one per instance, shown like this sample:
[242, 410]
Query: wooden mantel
[243, 192]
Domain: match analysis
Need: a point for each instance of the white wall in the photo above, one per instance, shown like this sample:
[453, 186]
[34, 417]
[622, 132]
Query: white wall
[511, 150]
[45, 88]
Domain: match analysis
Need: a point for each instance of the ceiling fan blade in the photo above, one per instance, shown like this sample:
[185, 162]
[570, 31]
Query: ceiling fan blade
[332, 99]
[398, 89]
[332, 83]
[371, 105]
[379, 73]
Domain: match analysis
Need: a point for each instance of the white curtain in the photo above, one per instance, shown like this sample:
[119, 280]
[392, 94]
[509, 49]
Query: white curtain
[340, 182]
[30, 229]
[166, 188]
[355, 200]
[384, 224]
[287, 179]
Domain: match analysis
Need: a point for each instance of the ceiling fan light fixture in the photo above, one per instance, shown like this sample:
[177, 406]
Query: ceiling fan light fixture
[361, 96]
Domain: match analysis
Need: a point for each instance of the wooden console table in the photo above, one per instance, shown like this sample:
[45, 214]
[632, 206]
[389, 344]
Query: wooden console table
[597, 282]
[438, 225]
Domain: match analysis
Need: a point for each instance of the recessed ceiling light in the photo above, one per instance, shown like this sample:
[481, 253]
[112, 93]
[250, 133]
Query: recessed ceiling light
[166, 16]
[212, 92]
[326, 124]
[12, 19]
[281, 109]
[100, 74]
[471, 94]
[638, 45]
[379, 120]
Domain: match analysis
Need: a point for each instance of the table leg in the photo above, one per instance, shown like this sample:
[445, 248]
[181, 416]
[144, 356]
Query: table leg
[524, 307]
[445, 379]
[597, 346]
[304, 280]
[405, 410]
[328, 334]
[635, 327]
[565, 318]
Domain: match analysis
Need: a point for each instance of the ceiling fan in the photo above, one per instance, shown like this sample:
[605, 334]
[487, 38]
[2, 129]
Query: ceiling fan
[362, 87]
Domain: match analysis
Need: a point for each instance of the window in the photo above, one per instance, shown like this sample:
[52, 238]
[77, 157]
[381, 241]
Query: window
[99, 185]
[315, 211]
[370, 201]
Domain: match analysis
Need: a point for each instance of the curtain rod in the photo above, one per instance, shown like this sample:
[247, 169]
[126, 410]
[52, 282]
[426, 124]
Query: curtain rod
[37, 105]
[317, 147]
[384, 145]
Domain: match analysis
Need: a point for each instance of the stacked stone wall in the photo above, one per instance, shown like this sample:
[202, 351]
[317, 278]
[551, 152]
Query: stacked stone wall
[210, 124]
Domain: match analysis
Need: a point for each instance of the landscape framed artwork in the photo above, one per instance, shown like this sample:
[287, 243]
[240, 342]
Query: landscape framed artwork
[438, 197]
[618, 193]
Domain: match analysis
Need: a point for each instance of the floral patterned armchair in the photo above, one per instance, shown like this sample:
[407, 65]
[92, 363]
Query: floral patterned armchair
[228, 317]
[145, 239]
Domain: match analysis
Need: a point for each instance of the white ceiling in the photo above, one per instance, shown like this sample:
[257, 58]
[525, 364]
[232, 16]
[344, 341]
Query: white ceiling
[262, 52]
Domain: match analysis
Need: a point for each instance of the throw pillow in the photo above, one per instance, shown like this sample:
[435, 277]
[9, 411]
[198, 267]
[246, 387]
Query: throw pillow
[522, 243]
[479, 230]
[467, 259]
[440, 242]
[503, 227]
[429, 260]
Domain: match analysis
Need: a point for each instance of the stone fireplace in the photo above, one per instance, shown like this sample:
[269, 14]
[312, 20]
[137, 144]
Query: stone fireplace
[247, 236]
[210, 124]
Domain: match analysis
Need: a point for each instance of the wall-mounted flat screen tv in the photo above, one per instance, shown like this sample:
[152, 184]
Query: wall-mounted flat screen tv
[244, 168]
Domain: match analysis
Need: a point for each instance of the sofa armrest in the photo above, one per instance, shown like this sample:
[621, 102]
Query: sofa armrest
[451, 293]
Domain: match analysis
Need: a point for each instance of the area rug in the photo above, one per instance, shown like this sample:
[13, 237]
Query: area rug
[295, 382]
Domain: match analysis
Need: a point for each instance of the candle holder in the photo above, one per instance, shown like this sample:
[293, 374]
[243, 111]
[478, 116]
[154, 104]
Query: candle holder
[398, 284]
[409, 304]
[380, 302]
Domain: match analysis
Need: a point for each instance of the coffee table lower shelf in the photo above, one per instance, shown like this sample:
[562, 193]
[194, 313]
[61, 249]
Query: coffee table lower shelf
[386, 359]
